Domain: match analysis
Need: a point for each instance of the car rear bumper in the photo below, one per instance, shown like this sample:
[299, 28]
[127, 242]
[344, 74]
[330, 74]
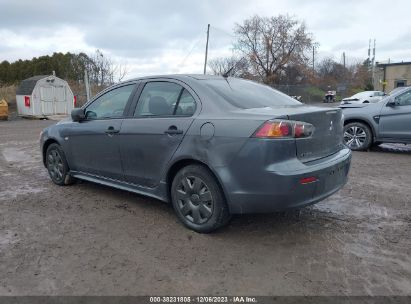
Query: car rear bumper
[276, 190]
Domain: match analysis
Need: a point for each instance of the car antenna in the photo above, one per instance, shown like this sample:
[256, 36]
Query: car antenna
[227, 73]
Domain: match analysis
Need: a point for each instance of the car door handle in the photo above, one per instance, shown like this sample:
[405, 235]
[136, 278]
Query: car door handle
[111, 130]
[173, 131]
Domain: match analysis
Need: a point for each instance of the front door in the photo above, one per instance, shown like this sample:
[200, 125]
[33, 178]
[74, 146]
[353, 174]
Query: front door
[94, 142]
[163, 114]
[395, 120]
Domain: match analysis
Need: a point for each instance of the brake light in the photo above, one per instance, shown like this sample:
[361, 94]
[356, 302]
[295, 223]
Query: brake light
[75, 101]
[284, 129]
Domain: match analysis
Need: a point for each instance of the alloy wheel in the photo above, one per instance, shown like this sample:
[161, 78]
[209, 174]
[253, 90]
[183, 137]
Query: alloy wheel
[55, 165]
[194, 200]
[355, 137]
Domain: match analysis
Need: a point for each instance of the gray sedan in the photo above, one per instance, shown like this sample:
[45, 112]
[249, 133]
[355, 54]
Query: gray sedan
[212, 146]
[386, 121]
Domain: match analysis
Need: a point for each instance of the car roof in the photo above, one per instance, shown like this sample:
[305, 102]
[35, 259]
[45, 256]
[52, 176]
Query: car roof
[179, 77]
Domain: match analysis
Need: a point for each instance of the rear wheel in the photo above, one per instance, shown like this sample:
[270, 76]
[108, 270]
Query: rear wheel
[57, 166]
[357, 136]
[198, 200]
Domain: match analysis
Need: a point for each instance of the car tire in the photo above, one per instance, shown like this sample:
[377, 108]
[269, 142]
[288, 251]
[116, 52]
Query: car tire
[357, 136]
[365, 101]
[57, 166]
[198, 199]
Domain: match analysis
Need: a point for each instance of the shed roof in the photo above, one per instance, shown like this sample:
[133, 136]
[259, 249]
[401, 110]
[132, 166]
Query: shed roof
[392, 64]
[26, 87]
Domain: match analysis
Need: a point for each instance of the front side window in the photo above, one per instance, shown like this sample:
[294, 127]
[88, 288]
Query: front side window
[164, 99]
[111, 104]
[404, 99]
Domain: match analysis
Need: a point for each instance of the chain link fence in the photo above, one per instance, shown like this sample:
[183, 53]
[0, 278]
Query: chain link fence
[314, 94]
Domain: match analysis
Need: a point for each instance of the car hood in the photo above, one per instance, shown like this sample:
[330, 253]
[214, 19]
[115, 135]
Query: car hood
[64, 121]
[354, 105]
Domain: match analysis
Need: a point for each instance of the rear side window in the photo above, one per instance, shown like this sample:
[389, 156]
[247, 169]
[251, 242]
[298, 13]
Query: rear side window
[164, 99]
[246, 94]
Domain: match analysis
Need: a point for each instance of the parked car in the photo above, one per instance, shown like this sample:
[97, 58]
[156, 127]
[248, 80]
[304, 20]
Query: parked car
[234, 147]
[386, 121]
[364, 97]
[397, 89]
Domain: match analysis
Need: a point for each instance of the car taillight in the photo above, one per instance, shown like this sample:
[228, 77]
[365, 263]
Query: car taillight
[75, 101]
[284, 129]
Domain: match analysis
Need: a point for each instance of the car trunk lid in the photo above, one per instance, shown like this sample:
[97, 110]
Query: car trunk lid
[327, 136]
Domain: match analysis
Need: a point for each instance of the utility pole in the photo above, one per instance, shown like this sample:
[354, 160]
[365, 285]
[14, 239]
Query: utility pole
[206, 50]
[344, 59]
[373, 67]
[313, 59]
[86, 82]
[369, 54]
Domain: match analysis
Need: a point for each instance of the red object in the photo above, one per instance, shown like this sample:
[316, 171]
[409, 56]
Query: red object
[299, 130]
[307, 180]
[284, 129]
[27, 101]
[264, 130]
[75, 100]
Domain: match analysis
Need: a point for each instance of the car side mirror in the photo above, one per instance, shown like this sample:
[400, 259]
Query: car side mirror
[391, 103]
[77, 114]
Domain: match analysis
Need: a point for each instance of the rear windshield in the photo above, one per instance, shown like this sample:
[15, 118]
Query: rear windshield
[247, 94]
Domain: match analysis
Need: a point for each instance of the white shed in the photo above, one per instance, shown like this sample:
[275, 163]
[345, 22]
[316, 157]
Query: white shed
[42, 96]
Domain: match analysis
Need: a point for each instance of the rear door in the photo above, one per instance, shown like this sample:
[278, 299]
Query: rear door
[395, 121]
[163, 113]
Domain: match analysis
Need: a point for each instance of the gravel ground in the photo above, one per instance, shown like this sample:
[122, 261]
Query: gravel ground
[88, 239]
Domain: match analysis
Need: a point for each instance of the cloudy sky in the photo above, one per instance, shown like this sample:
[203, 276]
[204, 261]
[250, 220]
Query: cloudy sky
[160, 36]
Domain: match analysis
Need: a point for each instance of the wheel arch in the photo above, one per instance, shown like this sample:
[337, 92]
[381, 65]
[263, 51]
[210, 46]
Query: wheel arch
[181, 163]
[363, 121]
[46, 144]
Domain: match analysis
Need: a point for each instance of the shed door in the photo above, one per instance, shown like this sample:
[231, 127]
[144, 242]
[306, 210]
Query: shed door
[47, 99]
[60, 100]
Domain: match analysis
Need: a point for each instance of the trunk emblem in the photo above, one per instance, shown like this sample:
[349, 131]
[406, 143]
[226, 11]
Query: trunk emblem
[331, 126]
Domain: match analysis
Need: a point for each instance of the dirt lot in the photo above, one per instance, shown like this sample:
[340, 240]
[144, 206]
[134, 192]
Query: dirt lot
[90, 239]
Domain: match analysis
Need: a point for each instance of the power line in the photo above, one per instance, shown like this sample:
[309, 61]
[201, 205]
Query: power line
[224, 32]
[189, 53]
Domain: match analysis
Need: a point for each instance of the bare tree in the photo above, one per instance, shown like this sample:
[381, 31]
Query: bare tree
[271, 44]
[234, 66]
[104, 71]
[120, 71]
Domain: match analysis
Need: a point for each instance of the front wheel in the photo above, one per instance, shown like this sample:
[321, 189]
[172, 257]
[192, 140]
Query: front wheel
[57, 166]
[198, 199]
[357, 136]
